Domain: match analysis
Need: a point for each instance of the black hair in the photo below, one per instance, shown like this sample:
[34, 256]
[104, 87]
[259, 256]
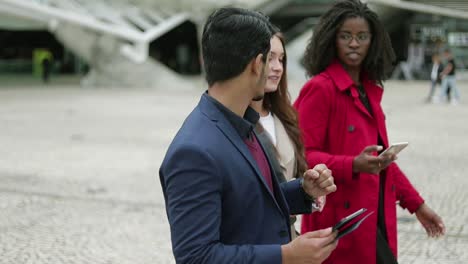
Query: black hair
[321, 49]
[232, 37]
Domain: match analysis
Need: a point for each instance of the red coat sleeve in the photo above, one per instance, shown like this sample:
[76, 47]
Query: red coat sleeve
[314, 106]
[405, 192]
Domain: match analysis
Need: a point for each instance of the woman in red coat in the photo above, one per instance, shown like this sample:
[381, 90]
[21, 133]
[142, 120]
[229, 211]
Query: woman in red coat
[343, 126]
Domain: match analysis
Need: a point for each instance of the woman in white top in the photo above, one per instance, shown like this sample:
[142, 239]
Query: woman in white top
[278, 120]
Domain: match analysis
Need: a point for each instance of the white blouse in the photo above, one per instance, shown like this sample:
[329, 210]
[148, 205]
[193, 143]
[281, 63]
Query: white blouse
[268, 123]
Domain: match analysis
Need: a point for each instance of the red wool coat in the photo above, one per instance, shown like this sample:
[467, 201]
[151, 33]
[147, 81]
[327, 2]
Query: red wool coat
[336, 127]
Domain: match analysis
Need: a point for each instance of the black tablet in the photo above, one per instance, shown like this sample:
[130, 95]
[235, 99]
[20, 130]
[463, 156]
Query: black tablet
[349, 223]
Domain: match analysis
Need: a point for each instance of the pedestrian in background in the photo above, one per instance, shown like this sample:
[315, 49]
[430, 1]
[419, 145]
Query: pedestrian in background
[449, 80]
[435, 77]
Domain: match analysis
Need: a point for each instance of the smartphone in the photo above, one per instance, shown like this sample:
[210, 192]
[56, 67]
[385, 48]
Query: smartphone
[345, 227]
[394, 149]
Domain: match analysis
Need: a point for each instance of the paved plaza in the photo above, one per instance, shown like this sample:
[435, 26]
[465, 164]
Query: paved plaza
[79, 171]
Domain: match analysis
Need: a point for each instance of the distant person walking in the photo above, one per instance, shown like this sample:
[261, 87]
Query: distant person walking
[449, 80]
[45, 69]
[435, 76]
[43, 62]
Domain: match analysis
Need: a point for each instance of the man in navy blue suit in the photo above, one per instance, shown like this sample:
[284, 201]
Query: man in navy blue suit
[223, 201]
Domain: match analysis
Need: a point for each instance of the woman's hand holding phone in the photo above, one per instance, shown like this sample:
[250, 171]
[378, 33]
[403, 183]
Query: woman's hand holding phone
[390, 154]
[368, 162]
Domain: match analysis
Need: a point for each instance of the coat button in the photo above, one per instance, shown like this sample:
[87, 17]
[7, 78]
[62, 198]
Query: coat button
[351, 128]
[346, 205]
[393, 187]
[283, 233]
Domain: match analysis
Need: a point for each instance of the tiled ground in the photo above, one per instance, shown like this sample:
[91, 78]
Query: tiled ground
[79, 172]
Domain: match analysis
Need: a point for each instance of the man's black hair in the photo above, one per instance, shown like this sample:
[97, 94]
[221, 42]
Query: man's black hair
[232, 38]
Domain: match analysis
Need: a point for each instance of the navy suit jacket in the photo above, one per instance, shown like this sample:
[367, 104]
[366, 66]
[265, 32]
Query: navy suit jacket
[219, 206]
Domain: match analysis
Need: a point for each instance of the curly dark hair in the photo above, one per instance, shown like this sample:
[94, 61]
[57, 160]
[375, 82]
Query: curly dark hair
[321, 49]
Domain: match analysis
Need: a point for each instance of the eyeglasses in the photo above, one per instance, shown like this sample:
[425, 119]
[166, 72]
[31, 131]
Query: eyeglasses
[360, 38]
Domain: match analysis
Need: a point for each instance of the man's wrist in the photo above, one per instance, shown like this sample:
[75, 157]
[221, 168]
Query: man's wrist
[306, 195]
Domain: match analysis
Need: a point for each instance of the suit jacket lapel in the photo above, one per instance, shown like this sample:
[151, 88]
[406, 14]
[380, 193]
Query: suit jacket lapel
[280, 199]
[236, 140]
[226, 128]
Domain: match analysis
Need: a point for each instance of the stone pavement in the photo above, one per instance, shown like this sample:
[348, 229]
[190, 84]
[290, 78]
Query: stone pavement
[79, 171]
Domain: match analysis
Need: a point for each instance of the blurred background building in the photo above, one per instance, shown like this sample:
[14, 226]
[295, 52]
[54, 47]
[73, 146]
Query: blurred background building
[148, 43]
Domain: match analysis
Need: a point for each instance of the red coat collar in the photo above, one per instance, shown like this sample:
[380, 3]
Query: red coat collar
[339, 75]
[344, 82]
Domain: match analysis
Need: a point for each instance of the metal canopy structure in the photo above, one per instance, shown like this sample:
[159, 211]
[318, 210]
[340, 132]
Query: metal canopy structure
[455, 9]
[134, 25]
[113, 36]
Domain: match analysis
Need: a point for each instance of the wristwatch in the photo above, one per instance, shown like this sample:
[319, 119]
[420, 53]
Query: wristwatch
[306, 195]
